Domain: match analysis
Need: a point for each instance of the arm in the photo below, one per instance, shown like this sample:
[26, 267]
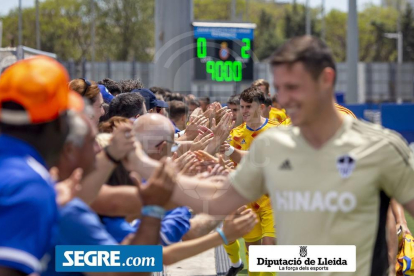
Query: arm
[156, 192]
[148, 232]
[398, 212]
[184, 146]
[237, 155]
[201, 225]
[180, 251]
[121, 144]
[235, 226]
[118, 201]
[92, 183]
[144, 166]
[227, 202]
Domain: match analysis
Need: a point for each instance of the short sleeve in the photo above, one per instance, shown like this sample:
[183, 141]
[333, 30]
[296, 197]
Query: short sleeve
[117, 227]
[81, 226]
[28, 220]
[230, 139]
[175, 225]
[397, 179]
[248, 179]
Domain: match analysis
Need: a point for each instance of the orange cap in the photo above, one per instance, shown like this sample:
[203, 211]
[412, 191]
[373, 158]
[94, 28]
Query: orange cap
[40, 86]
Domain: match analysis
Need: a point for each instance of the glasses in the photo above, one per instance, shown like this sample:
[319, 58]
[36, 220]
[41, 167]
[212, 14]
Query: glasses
[87, 85]
[174, 146]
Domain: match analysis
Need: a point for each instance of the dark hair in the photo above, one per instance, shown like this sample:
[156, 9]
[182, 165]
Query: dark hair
[174, 97]
[29, 129]
[85, 88]
[126, 105]
[47, 138]
[234, 99]
[108, 126]
[274, 99]
[177, 109]
[262, 82]
[157, 90]
[113, 87]
[268, 101]
[104, 117]
[311, 51]
[194, 102]
[204, 99]
[129, 85]
[253, 94]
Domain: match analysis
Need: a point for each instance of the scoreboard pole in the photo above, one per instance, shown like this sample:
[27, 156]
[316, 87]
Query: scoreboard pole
[173, 37]
[352, 54]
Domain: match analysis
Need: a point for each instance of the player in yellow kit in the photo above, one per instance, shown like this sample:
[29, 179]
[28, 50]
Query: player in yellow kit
[252, 105]
[275, 114]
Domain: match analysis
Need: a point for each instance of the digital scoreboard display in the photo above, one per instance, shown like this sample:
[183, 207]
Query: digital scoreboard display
[223, 52]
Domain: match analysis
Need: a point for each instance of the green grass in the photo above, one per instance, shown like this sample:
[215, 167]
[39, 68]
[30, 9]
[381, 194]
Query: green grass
[410, 221]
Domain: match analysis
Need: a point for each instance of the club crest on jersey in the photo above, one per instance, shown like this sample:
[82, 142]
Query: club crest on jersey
[243, 142]
[345, 165]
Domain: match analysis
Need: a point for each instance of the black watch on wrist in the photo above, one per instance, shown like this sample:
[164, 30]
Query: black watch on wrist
[110, 157]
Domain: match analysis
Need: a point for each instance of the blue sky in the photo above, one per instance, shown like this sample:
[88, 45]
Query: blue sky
[7, 5]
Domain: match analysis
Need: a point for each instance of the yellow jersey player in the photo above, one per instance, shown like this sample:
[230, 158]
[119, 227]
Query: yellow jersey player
[275, 114]
[252, 106]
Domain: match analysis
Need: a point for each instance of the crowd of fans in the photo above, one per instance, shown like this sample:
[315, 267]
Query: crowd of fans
[78, 143]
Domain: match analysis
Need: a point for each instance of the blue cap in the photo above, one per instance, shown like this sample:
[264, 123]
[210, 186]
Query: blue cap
[107, 97]
[150, 99]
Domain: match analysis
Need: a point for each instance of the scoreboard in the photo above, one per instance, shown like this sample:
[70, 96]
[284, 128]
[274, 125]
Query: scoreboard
[223, 51]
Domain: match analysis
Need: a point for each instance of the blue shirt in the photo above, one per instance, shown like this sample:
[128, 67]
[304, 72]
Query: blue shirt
[78, 225]
[28, 210]
[174, 226]
[176, 129]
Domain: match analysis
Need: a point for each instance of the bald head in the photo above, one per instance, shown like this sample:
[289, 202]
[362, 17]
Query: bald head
[156, 134]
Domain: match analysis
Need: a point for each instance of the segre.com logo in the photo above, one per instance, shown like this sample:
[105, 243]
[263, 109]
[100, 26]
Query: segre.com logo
[108, 258]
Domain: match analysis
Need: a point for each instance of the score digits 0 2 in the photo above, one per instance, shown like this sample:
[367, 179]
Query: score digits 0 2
[224, 53]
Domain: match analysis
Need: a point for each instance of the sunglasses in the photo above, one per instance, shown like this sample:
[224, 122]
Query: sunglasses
[174, 146]
[158, 109]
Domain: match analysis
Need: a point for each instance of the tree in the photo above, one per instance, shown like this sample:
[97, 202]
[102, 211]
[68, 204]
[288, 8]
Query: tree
[267, 40]
[336, 33]
[407, 28]
[295, 21]
[124, 29]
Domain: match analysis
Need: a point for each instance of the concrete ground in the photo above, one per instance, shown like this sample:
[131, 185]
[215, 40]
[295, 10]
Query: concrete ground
[203, 264]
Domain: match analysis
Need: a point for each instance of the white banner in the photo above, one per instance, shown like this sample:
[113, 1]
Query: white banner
[302, 258]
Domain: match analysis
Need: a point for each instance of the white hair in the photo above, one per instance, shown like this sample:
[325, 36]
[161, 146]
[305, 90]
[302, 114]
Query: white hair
[103, 139]
[78, 129]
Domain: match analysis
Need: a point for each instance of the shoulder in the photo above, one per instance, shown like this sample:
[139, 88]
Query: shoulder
[386, 140]
[74, 207]
[345, 110]
[272, 123]
[238, 129]
[282, 136]
[23, 177]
